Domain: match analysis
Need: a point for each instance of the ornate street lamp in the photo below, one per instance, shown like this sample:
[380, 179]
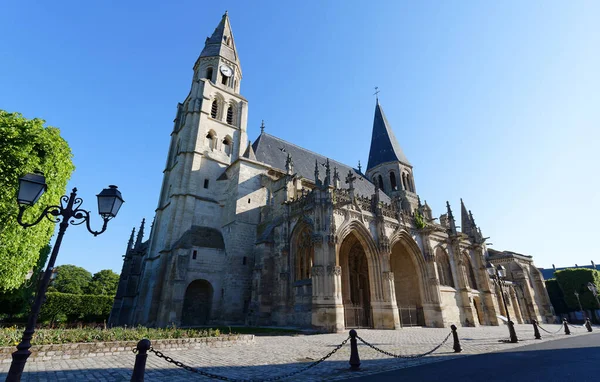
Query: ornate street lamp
[498, 275]
[31, 188]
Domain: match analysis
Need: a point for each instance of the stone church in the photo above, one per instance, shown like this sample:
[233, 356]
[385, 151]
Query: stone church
[270, 233]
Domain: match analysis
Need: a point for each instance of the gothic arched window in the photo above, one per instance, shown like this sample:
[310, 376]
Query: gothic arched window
[380, 181]
[210, 140]
[404, 182]
[472, 281]
[230, 115]
[209, 73]
[227, 145]
[214, 109]
[393, 181]
[443, 266]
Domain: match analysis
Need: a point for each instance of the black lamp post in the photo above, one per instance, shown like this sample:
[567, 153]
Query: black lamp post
[498, 275]
[31, 187]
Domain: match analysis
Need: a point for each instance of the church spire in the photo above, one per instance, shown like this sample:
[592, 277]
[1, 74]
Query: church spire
[140, 235]
[130, 242]
[465, 221]
[451, 223]
[384, 146]
[221, 43]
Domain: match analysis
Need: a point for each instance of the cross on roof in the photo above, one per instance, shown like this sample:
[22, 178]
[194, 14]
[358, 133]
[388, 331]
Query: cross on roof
[376, 94]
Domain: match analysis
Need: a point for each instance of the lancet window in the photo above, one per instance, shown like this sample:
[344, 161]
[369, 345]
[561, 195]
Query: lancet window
[305, 255]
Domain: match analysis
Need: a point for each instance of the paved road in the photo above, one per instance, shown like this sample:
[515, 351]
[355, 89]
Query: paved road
[571, 359]
[271, 356]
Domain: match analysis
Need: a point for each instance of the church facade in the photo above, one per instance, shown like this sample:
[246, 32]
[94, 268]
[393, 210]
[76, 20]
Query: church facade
[269, 233]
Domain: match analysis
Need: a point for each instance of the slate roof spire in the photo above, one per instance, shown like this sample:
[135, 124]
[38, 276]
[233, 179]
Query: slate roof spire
[384, 146]
[221, 42]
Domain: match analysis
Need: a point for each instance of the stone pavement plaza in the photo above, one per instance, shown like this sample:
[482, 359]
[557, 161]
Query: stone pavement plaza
[270, 356]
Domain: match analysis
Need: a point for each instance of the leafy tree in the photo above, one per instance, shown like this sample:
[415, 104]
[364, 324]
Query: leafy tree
[27, 146]
[71, 279]
[17, 302]
[104, 282]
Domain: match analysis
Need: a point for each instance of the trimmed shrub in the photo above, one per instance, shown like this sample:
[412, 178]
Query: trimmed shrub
[576, 280]
[76, 307]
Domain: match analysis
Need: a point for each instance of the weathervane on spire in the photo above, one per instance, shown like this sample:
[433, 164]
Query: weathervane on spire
[376, 94]
[262, 126]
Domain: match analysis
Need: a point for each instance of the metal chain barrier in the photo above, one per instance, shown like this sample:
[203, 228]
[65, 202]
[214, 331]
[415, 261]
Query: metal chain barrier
[559, 329]
[405, 356]
[223, 378]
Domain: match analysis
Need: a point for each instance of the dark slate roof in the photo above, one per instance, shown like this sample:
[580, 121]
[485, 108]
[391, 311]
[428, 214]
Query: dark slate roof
[384, 146]
[273, 151]
[215, 45]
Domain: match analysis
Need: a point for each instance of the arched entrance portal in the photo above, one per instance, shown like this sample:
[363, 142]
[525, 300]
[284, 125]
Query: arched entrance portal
[407, 283]
[356, 291]
[197, 303]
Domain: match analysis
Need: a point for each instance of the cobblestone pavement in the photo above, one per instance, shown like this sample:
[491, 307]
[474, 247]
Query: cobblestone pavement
[271, 356]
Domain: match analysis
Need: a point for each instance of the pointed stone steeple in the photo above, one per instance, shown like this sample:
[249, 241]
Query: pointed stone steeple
[465, 221]
[130, 242]
[317, 180]
[140, 235]
[221, 43]
[451, 222]
[384, 146]
[327, 173]
[249, 153]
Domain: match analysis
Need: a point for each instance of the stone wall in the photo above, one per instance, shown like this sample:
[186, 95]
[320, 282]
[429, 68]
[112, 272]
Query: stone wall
[97, 349]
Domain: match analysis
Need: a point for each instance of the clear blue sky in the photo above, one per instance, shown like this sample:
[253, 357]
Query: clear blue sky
[494, 102]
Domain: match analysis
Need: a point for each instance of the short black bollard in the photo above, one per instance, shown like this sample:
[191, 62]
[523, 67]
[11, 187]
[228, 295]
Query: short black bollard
[588, 325]
[456, 347]
[140, 360]
[354, 358]
[536, 331]
[566, 325]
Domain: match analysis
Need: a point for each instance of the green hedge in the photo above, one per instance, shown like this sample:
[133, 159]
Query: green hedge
[575, 280]
[12, 336]
[556, 296]
[76, 307]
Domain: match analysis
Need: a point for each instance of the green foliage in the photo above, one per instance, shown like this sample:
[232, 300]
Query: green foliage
[17, 302]
[71, 279]
[27, 146]
[104, 282]
[575, 280]
[419, 220]
[76, 307]
[12, 336]
[556, 296]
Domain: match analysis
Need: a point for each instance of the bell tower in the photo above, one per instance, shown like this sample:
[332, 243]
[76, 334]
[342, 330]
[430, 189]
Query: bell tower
[209, 134]
[388, 167]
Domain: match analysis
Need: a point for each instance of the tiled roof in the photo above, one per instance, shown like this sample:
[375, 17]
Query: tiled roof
[273, 151]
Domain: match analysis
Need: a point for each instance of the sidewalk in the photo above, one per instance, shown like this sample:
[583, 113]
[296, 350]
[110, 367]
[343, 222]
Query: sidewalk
[277, 355]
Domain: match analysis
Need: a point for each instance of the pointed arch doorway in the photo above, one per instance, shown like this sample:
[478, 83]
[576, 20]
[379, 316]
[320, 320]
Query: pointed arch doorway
[407, 284]
[356, 291]
[197, 303]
